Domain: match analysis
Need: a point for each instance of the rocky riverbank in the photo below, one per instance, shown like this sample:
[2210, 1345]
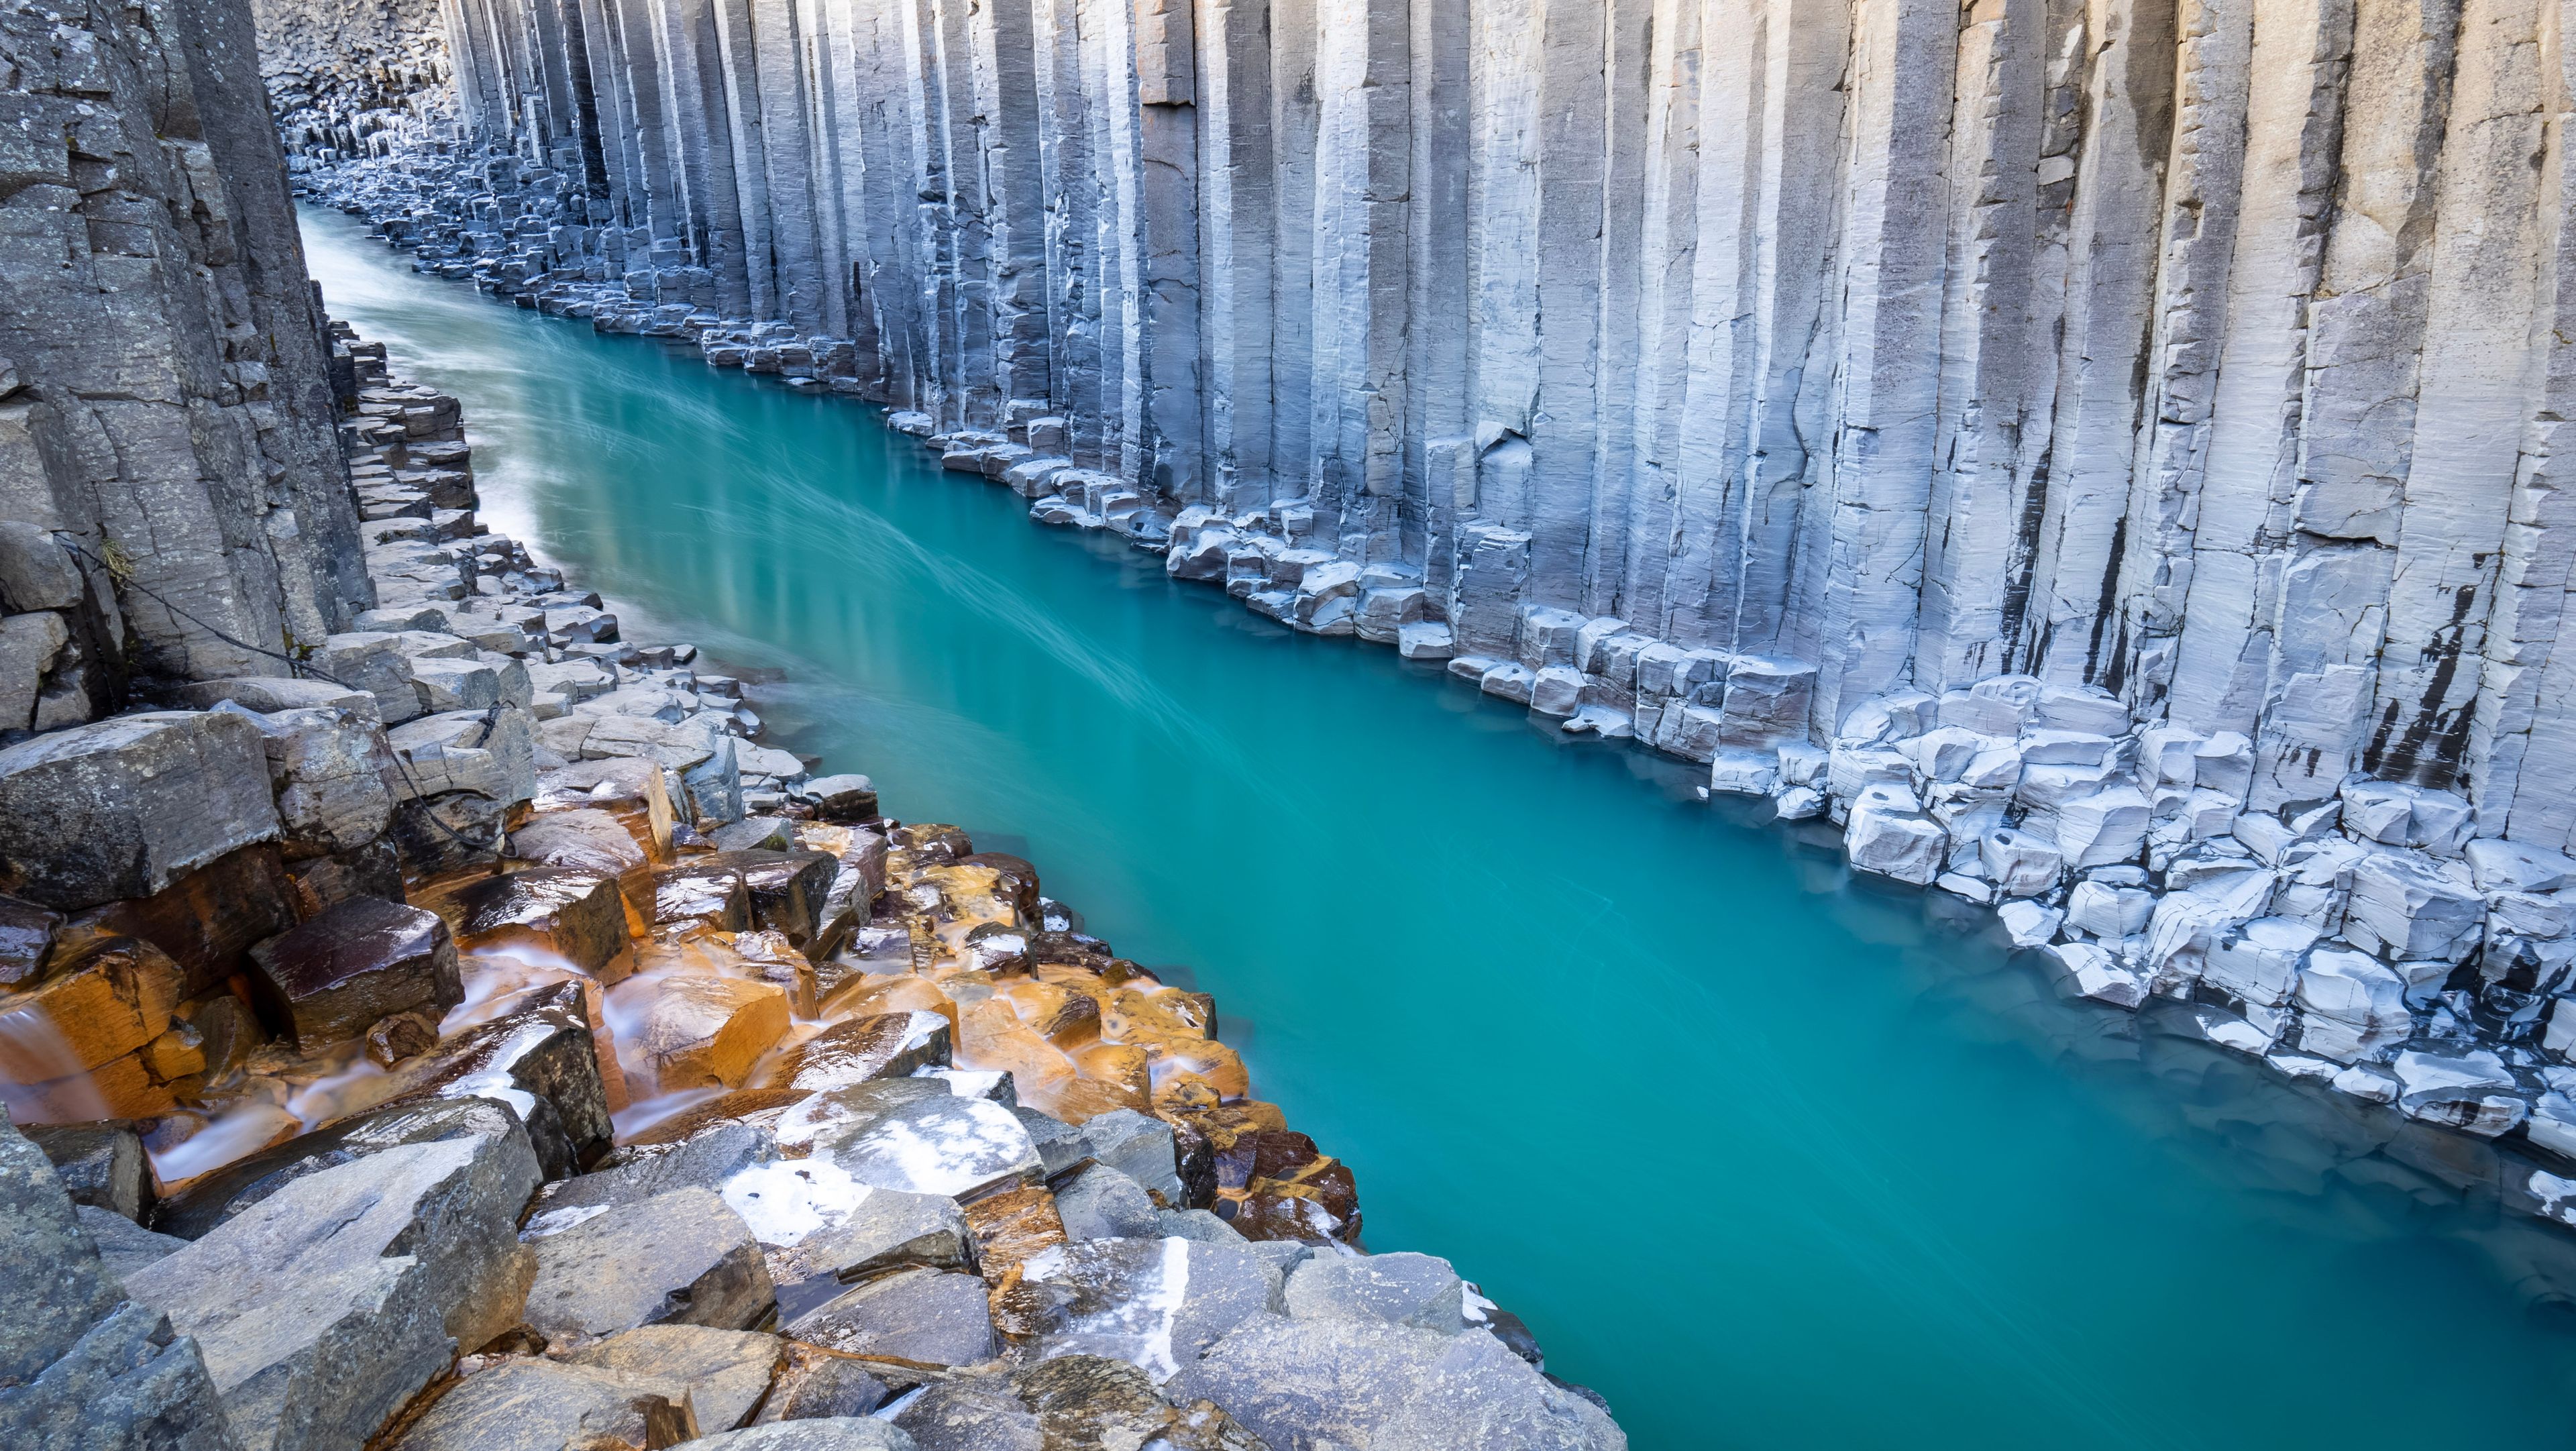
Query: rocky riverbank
[2367, 939]
[612, 1079]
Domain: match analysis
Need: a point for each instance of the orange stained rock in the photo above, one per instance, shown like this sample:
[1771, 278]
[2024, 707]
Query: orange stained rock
[769, 957]
[702, 1032]
[724, 1108]
[1158, 1015]
[990, 1035]
[1009, 1229]
[880, 1045]
[1204, 1060]
[889, 993]
[1062, 1016]
[1121, 1071]
[106, 997]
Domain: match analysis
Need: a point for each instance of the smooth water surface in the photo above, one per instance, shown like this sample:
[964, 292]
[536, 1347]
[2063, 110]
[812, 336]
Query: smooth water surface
[1771, 1156]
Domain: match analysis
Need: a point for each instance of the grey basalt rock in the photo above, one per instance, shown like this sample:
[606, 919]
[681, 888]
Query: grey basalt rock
[101, 1164]
[1098, 1202]
[1390, 1388]
[681, 1258]
[322, 1308]
[828, 1433]
[219, 1195]
[1153, 1302]
[542, 1405]
[124, 1246]
[914, 1314]
[1398, 1289]
[726, 1372]
[121, 807]
[80, 1363]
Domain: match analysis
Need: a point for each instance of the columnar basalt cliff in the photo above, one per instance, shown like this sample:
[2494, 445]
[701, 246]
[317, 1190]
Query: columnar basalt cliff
[2101, 457]
[439, 1024]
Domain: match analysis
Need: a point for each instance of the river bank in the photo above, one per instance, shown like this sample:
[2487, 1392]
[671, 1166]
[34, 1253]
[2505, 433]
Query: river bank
[1903, 1136]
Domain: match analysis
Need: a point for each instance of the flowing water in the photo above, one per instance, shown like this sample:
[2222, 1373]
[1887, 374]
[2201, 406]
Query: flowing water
[1772, 1156]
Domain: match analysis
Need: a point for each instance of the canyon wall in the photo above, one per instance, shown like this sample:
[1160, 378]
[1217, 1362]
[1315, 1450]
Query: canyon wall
[172, 496]
[2201, 351]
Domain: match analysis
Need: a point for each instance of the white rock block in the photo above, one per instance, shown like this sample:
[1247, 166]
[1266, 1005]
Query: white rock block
[2109, 911]
[2022, 864]
[1557, 691]
[2259, 961]
[2497, 865]
[2100, 976]
[2403, 907]
[1744, 773]
[1890, 836]
[2473, 1092]
[2029, 923]
[2105, 827]
[1427, 640]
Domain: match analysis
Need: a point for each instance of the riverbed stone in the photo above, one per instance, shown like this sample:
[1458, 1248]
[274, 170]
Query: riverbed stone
[914, 1135]
[122, 807]
[1367, 1383]
[1398, 1289]
[542, 1405]
[361, 960]
[813, 1383]
[569, 913]
[827, 1433]
[323, 1307]
[815, 1220]
[210, 1199]
[490, 753]
[726, 1371]
[100, 1164]
[856, 1050]
[1155, 1303]
[681, 1258]
[914, 1314]
[540, 1059]
[1101, 1203]
[123, 1245]
[701, 1032]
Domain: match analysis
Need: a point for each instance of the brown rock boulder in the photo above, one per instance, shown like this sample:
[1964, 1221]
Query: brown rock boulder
[362, 960]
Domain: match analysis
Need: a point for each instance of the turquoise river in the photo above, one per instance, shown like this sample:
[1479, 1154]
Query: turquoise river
[1770, 1155]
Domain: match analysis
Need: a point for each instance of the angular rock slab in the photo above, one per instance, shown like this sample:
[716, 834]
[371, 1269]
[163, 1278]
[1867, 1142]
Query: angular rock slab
[914, 1135]
[726, 1371]
[121, 807]
[924, 1315]
[541, 1059]
[564, 912]
[363, 960]
[323, 1307]
[1393, 1289]
[679, 1258]
[829, 1433]
[819, 1221]
[1389, 1388]
[812, 1382]
[1154, 1303]
[80, 1364]
[857, 1050]
[540, 1405]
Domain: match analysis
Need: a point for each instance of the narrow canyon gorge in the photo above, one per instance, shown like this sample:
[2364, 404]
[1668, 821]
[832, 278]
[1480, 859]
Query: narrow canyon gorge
[439, 1014]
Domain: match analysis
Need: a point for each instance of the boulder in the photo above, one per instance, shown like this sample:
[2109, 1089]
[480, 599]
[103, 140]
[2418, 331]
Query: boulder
[679, 1258]
[105, 997]
[816, 1221]
[324, 1306]
[1390, 1388]
[829, 1433]
[1888, 834]
[2473, 1092]
[857, 1050]
[2104, 827]
[120, 808]
[812, 1382]
[543, 1405]
[726, 1372]
[584, 838]
[2098, 975]
[124, 1246]
[332, 774]
[2019, 863]
[81, 1365]
[101, 1164]
[219, 1195]
[1098, 1202]
[915, 1314]
[491, 753]
[26, 941]
[914, 1135]
[1396, 1289]
[704, 1032]
[2403, 907]
[701, 893]
[567, 913]
[359, 961]
[1155, 1303]
[541, 1059]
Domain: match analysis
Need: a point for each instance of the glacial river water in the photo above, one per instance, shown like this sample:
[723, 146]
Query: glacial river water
[1772, 1156]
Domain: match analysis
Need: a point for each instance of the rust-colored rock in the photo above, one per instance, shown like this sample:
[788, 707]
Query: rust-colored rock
[106, 996]
[571, 913]
[703, 893]
[208, 919]
[705, 1032]
[360, 961]
[1010, 1228]
[880, 1045]
[725, 1108]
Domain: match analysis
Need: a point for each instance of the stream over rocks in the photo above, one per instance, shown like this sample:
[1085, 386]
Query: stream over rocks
[1769, 1154]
